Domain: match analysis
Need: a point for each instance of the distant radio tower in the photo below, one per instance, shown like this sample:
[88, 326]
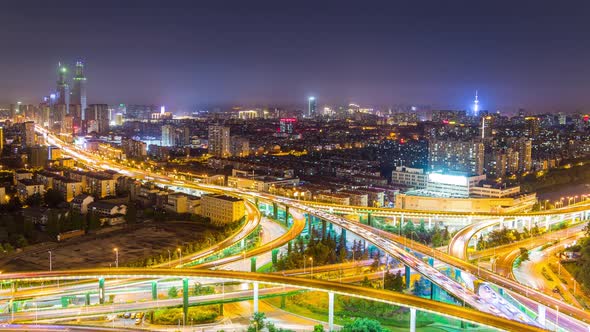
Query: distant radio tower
[476, 105]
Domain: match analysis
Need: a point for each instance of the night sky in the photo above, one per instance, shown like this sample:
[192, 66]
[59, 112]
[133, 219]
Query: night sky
[531, 54]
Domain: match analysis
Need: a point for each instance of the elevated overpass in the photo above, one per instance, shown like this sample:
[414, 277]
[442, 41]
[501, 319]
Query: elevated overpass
[331, 288]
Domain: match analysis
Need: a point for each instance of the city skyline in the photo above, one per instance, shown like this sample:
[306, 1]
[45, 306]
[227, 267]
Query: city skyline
[184, 56]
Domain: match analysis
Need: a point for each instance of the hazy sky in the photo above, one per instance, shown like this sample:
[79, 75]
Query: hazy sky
[532, 54]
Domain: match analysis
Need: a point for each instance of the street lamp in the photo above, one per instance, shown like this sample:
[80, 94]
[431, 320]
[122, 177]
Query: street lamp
[311, 274]
[169, 257]
[557, 318]
[116, 257]
[304, 258]
[50, 261]
[180, 252]
[574, 280]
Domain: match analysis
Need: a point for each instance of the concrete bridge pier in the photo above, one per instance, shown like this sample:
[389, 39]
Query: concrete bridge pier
[541, 314]
[255, 296]
[185, 300]
[154, 290]
[412, 320]
[101, 294]
[330, 311]
[408, 276]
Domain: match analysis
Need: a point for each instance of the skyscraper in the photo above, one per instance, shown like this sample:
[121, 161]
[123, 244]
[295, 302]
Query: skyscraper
[97, 118]
[311, 107]
[79, 88]
[219, 141]
[486, 126]
[63, 89]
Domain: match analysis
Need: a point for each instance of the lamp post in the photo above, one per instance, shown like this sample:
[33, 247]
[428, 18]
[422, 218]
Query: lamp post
[169, 257]
[116, 257]
[304, 264]
[311, 274]
[180, 252]
[557, 318]
[50, 261]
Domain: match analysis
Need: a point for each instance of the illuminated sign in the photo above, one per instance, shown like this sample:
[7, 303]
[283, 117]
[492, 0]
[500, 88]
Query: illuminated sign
[457, 180]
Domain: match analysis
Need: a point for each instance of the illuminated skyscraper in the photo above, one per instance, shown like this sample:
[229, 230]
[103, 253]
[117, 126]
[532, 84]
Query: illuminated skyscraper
[63, 89]
[311, 107]
[79, 88]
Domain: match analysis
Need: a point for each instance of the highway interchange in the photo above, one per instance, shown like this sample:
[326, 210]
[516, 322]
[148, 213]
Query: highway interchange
[486, 301]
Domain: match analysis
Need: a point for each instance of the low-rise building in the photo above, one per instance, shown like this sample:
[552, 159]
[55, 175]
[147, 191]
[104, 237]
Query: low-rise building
[409, 177]
[3, 197]
[334, 198]
[222, 209]
[357, 198]
[67, 187]
[108, 213]
[29, 187]
[81, 202]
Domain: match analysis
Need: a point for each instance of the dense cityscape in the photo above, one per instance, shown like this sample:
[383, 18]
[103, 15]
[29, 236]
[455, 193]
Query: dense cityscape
[316, 214]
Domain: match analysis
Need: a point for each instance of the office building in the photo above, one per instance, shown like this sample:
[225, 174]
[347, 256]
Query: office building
[311, 107]
[485, 128]
[222, 209]
[219, 142]
[97, 118]
[63, 89]
[168, 135]
[287, 125]
[79, 89]
[409, 177]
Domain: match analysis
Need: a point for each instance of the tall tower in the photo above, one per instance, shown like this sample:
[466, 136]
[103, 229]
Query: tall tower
[311, 107]
[476, 105]
[63, 89]
[79, 88]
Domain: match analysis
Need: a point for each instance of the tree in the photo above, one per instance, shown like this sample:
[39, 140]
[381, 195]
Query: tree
[257, 322]
[421, 287]
[172, 292]
[131, 215]
[524, 254]
[34, 200]
[53, 198]
[93, 221]
[318, 328]
[363, 325]
[394, 282]
[408, 228]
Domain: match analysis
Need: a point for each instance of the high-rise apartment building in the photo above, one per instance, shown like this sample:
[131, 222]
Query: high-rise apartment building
[455, 155]
[29, 132]
[532, 126]
[168, 135]
[524, 147]
[219, 143]
[240, 146]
